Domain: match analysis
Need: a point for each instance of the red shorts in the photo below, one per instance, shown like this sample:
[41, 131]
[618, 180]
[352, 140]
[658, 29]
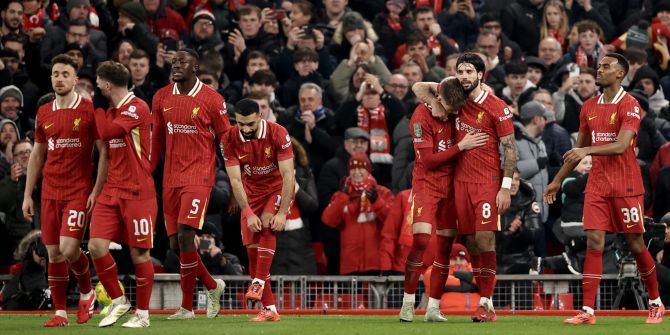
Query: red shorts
[185, 205]
[476, 207]
[264, 205]
[127, 221]
[63, 218]
[614, 214]
[436, 210]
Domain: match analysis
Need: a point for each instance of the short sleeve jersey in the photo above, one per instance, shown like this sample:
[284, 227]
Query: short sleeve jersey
[615, 175]
[69, 134]
[259, 157]
[485, 114]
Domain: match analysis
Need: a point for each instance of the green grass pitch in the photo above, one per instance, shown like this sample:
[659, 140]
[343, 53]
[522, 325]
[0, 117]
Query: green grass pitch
[333, 324]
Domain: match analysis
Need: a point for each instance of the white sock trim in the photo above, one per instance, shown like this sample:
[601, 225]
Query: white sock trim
[588, 310]
[62, 313]
[142, 312]
[433, 303]
[272, 308]
[409, 297]
[260, 281]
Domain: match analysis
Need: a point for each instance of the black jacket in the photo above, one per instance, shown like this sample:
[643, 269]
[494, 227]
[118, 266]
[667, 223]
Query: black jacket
[573, 187]
[323, 143]
[520, 22]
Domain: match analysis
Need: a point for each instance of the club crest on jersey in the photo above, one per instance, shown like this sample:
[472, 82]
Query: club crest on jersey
[268, 152]
[76, 124]
[612, 118]
[418, 132]
[194, 112]
[480, 117]
[419, 211]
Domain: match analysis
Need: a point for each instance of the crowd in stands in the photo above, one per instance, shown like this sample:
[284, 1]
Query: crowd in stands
[337, 74]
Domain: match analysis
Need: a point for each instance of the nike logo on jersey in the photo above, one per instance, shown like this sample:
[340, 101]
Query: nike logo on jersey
[592, 117]
[165, 110]
[48, 125]
[242, 156]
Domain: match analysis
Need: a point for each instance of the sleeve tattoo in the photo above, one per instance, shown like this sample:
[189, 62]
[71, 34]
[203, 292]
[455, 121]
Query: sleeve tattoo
[509, 149]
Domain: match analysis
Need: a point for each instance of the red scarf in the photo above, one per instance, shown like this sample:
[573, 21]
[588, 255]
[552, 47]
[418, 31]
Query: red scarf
[406, 234]
[583, 59]
[395, 25]
[374, 122]
[366, 212]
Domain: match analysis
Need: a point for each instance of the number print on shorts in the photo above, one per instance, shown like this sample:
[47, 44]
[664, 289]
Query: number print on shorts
[486, 210]
[630, 215]
[141, 227]
[76, 220]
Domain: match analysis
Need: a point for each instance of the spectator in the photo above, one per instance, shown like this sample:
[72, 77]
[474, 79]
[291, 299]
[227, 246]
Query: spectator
[589, 50]
[75, 31]
[163, 20]
[662, 258]
[133, 26]
[450, 66]
[519, 227]
[550, 52]
[536, 70]
[393, 26]
[306, 64]
[203, 35]
[255, 61]
[266, 82]
[224, 12]
[596, 11]
[263, 101]
[519, 89]
[12, 18]
[312, 124]
[352, 30]
[348, 76]
[491, 23]
[27, 290]
[213, 255]
[520, 22]
[359, 210]
[412, 71]
[646, 80]
[11, 195]
[417, 51]
[146, 77]
[329, 180]
[661, 160]
[398, 86]
[332, 14]
[555, 22]
[295, 255]
[299, 39]
[13, 60]
[556, 139]
[403, 154]
[460, 22]
[397, 235]
[568, 101]
[302, 14]
[531, 153]
[123, 50]
[649, 138]
[636, 59]
[11, 102]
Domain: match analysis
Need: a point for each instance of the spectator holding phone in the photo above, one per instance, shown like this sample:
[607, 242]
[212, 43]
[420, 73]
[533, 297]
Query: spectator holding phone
[213, 256]
[203, 35]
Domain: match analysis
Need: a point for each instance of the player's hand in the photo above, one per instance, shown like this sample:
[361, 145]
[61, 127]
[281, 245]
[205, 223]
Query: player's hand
[550, 192]
[16, 172]
[435, 29]
[90, 202]
[233, 205]
[28, 209]
[254, 223]
[372, 194]
[503, 200]
[278, 222]
[575, 155]
[514, 226]
[472, 140]
[659, 256]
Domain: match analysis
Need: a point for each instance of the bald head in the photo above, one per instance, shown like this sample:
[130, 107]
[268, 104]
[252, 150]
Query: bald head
[550, 51]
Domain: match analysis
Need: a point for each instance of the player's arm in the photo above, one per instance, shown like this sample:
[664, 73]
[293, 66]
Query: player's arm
[618, 147]
[35, 165]
[101, 176]
[235, 177]
[509, 163]
[434, 160]
[106, 129]
[287, 172]
[583, 140]
[157, 134]
[428, 93]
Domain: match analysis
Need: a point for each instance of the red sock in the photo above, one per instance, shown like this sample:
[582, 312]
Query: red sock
[268, 298]
[414, 263]
[204, 276]
[477, 272]
[252, 253]
[144, 278]
[593, 270]
[58, 279]
[488, 273]
[81, 271]
[266, 252]
[440, 273]
[188, 262]
[105, 267]
[647, 268]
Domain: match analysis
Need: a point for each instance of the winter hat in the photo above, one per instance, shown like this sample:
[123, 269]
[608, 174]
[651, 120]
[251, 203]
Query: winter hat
[11, 91]
[134, 11]
[76, 3]
[459, 250]
[550, 116]
[532, 109]
[637, 36]
[536, 62]
[3, 122]
[360, 160]
[351, 21]
[356, 133]
[645, 72]
[663, 5]
[203, 14]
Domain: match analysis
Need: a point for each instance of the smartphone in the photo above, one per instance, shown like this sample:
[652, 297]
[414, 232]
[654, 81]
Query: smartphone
[204, 245]
[170, 44]
[308, 29]
[574, 70]
[280, 14]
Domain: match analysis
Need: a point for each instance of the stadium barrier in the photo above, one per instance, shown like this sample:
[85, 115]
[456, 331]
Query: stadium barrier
[513, 292]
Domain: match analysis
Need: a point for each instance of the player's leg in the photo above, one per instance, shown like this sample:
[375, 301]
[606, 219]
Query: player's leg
[57, 273]
[444, 239]
[267, 244]
[631, 219]
[597, 220]
[144, 277]
[265, 254]
[487, 223]
[414, 264]
[107, 224]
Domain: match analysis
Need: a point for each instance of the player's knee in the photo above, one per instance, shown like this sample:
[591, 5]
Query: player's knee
[55, 256]
[95, 248]
[70, 252]
[420, 242]
[446, 232]
[635, 243]
[186, 240]
[486, 241]
[139, 255]
[595, 240]
[174, 244]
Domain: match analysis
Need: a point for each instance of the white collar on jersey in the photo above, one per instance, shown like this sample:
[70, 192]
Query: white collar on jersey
[125, 100]
[73, 105]
[194, 91]
[261, 132]
[617, 98]
[481, 97]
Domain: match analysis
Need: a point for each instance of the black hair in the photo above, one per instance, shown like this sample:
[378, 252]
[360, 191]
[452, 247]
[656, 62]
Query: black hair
[515, 68]
[472, 58]
[246, 107]
[192, 53]
[621, 60]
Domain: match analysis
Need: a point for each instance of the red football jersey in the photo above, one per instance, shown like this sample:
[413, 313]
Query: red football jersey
[485, 114]
[259, 158]
[69, 133]
[429, 132]
[187, 123]
[616, 175]
[129, 165]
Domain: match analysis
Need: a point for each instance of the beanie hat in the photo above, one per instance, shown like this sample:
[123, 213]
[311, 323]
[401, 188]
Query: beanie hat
[11, 91]
[352, 21]
[360, 160]
[459, 250]
[76, 3]
[134, 11]
[637, 36]
[663, 5]
[204, 15]
[3, 122]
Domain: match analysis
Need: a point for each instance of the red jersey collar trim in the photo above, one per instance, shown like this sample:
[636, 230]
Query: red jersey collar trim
[75, 103]
[617, 98]
[261, 132]
[125, 100]
[481, 97]
[194, 91]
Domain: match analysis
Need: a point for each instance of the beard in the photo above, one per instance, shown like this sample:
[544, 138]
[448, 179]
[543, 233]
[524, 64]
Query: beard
[64, 93]
[472, 87]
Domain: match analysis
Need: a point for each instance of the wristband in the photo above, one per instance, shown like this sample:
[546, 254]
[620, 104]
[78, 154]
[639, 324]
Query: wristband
[247, 212]
[506, 183]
